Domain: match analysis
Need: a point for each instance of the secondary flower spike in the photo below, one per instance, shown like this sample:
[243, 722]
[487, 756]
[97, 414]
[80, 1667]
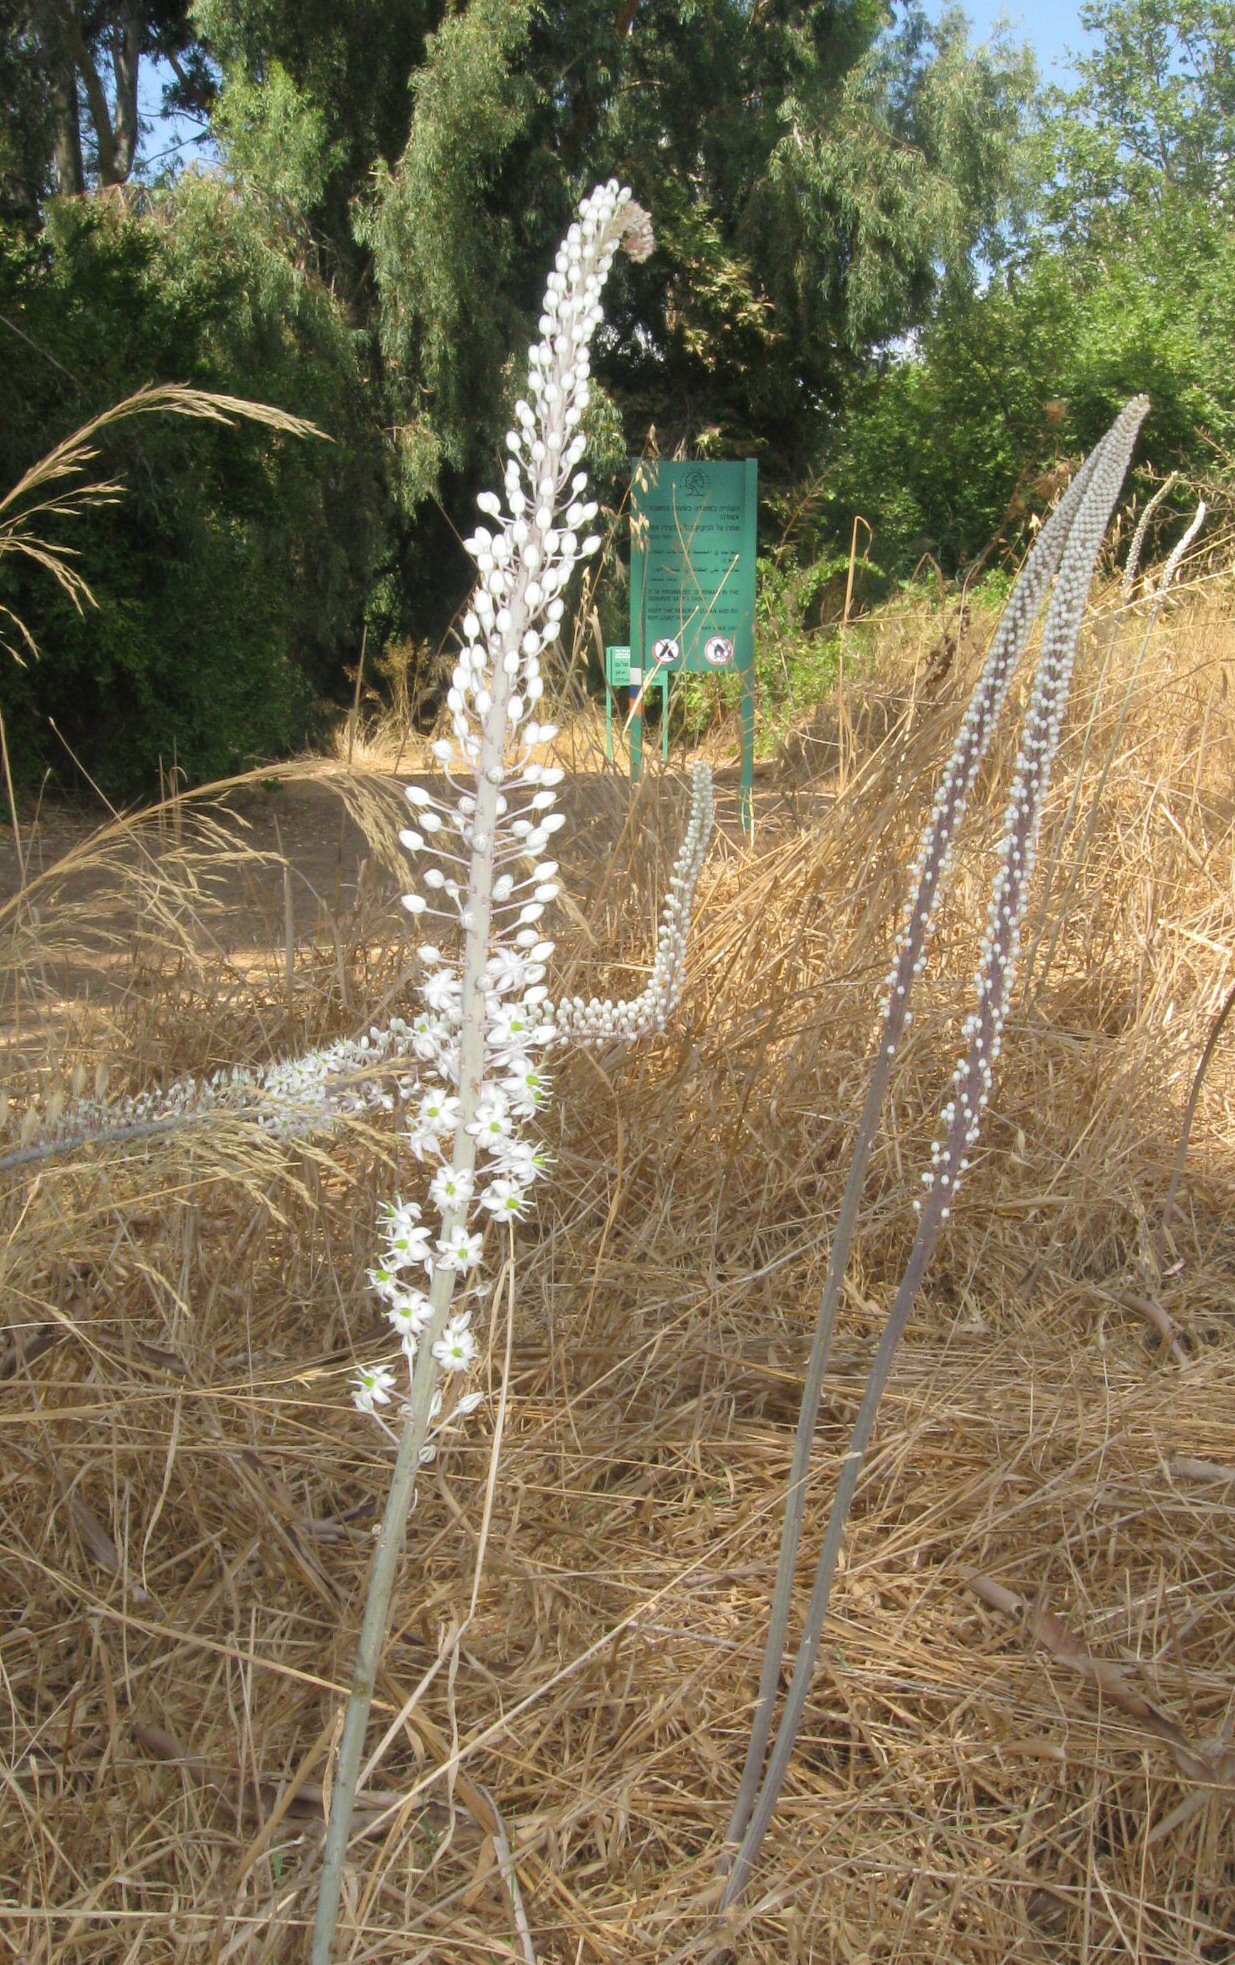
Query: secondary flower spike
[297, 1098]
[1070, 554]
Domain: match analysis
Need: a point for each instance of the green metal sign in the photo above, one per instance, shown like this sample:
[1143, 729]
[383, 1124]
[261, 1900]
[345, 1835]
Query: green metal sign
[619, 674]
[692, 578]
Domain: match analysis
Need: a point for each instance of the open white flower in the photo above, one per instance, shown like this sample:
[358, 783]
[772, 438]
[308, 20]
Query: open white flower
[409, 1315]
[451, 1187]
[456, 1347]
[371, 1387]
[458, 1251]
[494, 1121]
[435, 1120]
[386, 1281]
[524, 1081]
[505, 1200]
[520, 1160]
[408, 1240]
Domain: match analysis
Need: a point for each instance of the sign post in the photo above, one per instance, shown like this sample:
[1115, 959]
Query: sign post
[619, 674]
[692, 581]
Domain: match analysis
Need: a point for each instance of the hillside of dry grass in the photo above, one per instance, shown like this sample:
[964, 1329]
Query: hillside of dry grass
[1022, 1740]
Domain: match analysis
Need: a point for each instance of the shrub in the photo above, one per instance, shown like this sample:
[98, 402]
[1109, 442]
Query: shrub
[229, 580]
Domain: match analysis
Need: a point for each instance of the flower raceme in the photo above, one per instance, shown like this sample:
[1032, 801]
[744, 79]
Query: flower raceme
[1061, 545]
[601, 1023]
[355, 1077]
[471, 1067]
[492, 1176]
[484, 844]
[290, 1099]
[1066, 553]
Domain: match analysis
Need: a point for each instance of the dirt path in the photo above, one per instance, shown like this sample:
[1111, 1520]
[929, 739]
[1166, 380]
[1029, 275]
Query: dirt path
[303, 821]
[278, 863]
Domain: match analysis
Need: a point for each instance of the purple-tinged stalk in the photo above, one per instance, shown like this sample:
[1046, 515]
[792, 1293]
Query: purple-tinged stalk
[487, 1021]
[930, 870]
[1067, 548]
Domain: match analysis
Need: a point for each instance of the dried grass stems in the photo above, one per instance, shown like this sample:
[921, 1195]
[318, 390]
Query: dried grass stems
[63, 485]
[187, 1504]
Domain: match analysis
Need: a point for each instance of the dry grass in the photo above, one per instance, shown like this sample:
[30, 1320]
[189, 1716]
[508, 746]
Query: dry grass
[187, 1497]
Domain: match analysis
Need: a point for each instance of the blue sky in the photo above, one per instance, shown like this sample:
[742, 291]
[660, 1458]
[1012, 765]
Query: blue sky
[167, 139]
[1050, 27]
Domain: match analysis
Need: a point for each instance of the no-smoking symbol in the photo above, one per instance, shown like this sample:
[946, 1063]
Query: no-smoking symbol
[665, 652]
[718, 652]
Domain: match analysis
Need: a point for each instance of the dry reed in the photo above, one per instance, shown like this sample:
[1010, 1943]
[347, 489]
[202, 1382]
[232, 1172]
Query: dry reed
[188, 1499]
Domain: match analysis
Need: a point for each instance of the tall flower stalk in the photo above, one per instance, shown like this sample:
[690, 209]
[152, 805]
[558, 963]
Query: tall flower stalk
[1066, 551]
[487, 1022]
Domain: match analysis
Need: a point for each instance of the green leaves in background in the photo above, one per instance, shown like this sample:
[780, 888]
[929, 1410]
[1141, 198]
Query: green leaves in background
[887, 266]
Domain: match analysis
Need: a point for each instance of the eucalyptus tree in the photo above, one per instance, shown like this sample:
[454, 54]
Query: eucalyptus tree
[90, 57]
[815, 177]
[1148, 132]
[389, 175]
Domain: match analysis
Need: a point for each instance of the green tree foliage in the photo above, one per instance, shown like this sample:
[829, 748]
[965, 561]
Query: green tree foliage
[393, 175]
[1121, 280]
[1150, 130]
[440, 239]
[351, 62]
[89, 56]
[26, 118]
[233, 569]
[813, 184]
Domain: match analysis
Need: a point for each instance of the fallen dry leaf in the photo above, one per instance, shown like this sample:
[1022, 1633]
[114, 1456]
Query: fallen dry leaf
[1215, 1766]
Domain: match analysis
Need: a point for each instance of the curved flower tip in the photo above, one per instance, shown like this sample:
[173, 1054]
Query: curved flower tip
[638, 238]
[577, 1022]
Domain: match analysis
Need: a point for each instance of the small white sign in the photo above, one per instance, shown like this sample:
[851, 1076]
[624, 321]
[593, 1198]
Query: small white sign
[664, 652]
[718, 652]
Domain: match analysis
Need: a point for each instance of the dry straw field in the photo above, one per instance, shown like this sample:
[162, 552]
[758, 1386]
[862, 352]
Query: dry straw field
[1021, 1742]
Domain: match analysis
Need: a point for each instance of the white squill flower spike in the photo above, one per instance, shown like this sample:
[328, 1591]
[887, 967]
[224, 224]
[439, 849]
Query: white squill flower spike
[492, 883]
[580, 1022]
[355, 1077]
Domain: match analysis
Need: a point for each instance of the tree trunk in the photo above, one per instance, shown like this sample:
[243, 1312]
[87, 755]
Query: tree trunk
[115, 131]
[96, 99]
[126, 62]
[62, 74]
